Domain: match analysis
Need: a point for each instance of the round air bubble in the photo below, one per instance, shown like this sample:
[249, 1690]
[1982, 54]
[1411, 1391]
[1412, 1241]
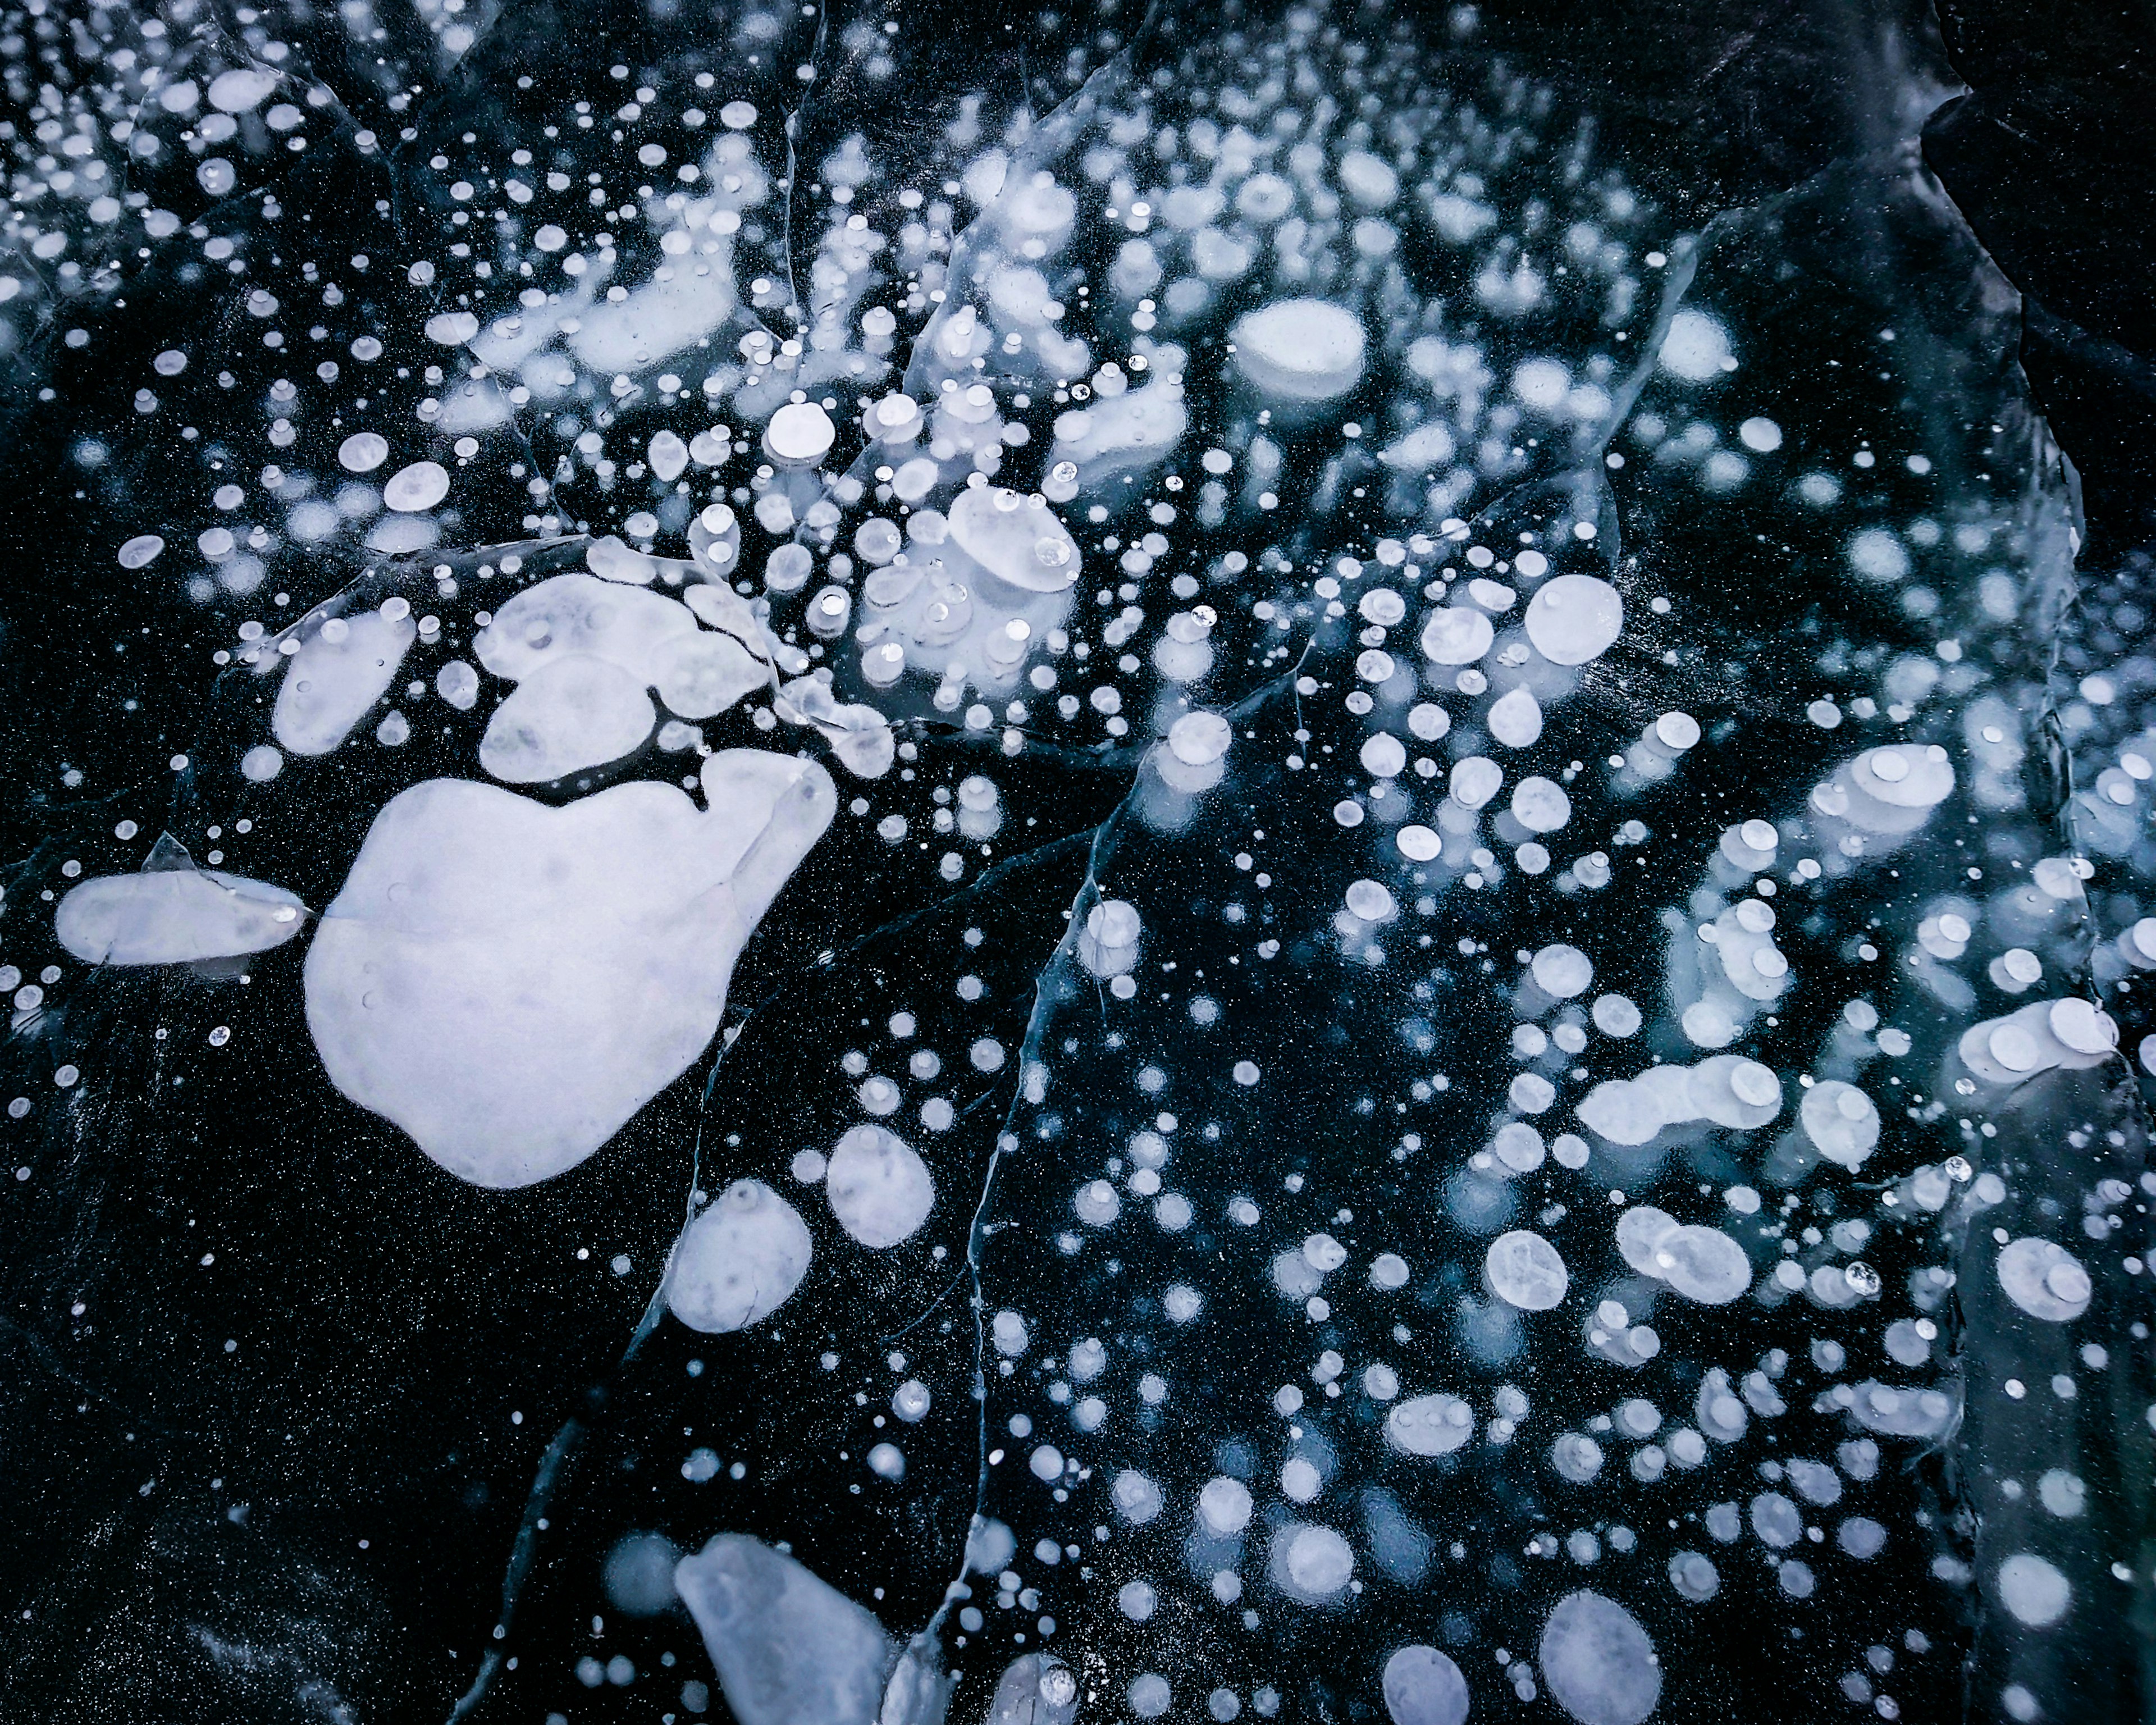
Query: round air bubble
[1419, 843]
[261, 763]
[1694, 1577]
[879, 1188]
[1525, 1270]
[788, 567]
[1454, 635]
[1016, 539]
[1615, 1015]
[1703, 1264]
[1841, 1121]
[420, 486]
[1876, 555]
[1540, 804]
[2033, 1590]
[1299, 350]
[1598, 1662]
[1576, 1458]
[1563, 971]
[242, 89]
[1149, 1695]
[362, 452]
[1641, 1232]
[1428, 720]
[1199, 739]
[141, 551]
[1516, 719]
[1224, 1507]
[1371, 901]
[1759, 835]
[1430, 1424]
[1310, 1565]
[1423, 1686]
[2044, 1279]
[2082, 1028]
[2015, 1047]
[799, 434]
[1382, 606]
[1676, 731]
[1476, 780]
[1369, 180]
[1385, 756]
[1518, 1146]
[1575, 618]
[1755, 1084]
[1696, 348]
[1905, 776]
[739, 1262]
[1388, 1270]
[1265, 198]
[1760, 435]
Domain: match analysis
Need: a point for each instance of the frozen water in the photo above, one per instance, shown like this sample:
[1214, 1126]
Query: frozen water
[1462, 1013]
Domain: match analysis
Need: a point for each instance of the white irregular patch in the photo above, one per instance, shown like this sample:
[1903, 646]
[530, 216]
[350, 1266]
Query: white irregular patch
[739, 1262]
[2044, 1279]
[1598, 1662]
[578, 713]
[339, 673]
[1016, 538]
[879, 1188]
[1430, 1424]
[790, 1649]
[578, 612]
[1575, 618]
[175, 917]
[1299, 350]
[510, 983]
[1525, 1270]
[1423, 1686]
[1697, 348]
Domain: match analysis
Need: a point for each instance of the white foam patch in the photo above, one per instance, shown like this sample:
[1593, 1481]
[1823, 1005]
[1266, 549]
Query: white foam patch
[790, 1649]
[739, 1262]
[1598, 1662]
[175, 917]
[336, 676]
[510, 983]
[879, 1188]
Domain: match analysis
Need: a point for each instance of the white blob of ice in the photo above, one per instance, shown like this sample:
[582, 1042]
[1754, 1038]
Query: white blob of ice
[1525, 1270]
[739, 1262]
[1430, 1424]
[1423, 1686]
[579, 712]
[175, 917]
[1516, 719]
[338, 673]
[1703, 1264]
[1456, 634]
[2044, 1279]
[1575, 618]
[1016, 538]
[1299, 350]
[510, 983]
[2033, 1589]
[879, 1188]
[1310, 1565]
[1697, 348]
[1598, 1662]
[417, 487]
[790, 1649]
[1841, 1121]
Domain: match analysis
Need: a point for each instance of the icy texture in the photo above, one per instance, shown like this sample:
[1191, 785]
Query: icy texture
[1209, 874]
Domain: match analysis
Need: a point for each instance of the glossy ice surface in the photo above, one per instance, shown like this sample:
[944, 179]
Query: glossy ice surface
[883, 869]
